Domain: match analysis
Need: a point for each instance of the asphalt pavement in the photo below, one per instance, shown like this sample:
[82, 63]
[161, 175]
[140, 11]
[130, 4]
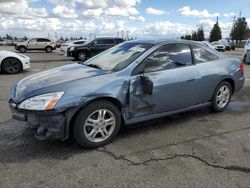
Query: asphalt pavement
[192, 149]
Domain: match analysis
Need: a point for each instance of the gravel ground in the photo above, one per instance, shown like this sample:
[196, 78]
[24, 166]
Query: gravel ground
[193, 149]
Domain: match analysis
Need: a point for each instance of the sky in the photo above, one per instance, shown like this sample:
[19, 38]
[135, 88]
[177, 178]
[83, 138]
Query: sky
[135, 18]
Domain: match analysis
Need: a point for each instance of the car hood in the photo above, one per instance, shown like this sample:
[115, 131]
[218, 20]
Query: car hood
[53, 77]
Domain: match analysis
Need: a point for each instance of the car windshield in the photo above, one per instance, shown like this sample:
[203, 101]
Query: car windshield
[118, 57]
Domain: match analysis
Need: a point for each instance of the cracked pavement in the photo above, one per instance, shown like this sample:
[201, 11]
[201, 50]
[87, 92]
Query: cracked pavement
[192, 149]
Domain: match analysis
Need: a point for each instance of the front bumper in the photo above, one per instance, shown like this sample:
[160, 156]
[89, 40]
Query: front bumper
[47, 124]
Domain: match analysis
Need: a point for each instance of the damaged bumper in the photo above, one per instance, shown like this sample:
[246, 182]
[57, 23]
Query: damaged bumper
[48, 125]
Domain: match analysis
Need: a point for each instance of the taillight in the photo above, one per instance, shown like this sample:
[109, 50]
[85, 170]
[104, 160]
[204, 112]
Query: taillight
[241, 67]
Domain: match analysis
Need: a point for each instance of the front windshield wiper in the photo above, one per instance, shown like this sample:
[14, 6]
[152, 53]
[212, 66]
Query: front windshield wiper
[94, 66]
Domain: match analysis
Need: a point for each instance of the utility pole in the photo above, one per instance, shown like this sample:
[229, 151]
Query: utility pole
[240, 14]
[217, 19]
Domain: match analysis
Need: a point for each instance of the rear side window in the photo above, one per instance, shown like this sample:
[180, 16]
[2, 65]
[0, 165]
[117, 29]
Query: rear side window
[104, 41]
[43, 40]
[108, 41]
[169, 57]
[201, 55]
[119, 41]
[79, 42]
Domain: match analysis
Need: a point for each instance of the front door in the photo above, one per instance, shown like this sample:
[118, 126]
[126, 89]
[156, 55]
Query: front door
[175, 79]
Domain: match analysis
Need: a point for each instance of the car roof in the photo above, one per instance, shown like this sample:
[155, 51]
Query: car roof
[166, 41]
[108, 38]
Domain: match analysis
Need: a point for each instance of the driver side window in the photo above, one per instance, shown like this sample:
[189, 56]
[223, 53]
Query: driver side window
[168, 57]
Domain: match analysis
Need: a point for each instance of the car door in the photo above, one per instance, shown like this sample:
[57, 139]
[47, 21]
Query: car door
[174, 78]
[99, 45]
[207, 64]
[42, 43]
[32, 44]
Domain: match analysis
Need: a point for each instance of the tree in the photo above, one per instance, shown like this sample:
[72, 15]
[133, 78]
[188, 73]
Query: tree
[215, 33]
[182, 37]
[200, 34]
[188, 37]
[239, 30]
[8, 37]
[24, 38]
[194, 36]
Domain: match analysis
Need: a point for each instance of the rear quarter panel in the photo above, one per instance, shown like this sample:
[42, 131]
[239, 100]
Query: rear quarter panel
[214, 72]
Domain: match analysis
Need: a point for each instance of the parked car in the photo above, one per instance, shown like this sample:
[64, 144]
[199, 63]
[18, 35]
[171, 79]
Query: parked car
[232, 45]
[218, 46]
[36, 44]
[12, 63]
[66, 46]
[2, 42]
[92, 47]
[132, 82]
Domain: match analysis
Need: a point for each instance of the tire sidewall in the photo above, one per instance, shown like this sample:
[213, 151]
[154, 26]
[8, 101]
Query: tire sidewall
[81, 52]
[48, 49]
[215, 106]
[83, 115]
[4, 70]
[24, 49]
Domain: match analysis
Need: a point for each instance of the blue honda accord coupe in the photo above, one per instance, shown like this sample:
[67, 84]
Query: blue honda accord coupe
[132, 82]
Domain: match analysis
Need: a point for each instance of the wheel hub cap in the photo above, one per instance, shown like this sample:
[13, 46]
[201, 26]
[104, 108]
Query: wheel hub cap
[223, 96]
[99, 125]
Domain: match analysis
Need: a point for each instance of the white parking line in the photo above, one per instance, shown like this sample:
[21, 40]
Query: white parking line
[247, 79]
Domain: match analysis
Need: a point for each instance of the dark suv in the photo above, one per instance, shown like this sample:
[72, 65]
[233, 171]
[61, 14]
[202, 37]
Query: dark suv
[92, 47]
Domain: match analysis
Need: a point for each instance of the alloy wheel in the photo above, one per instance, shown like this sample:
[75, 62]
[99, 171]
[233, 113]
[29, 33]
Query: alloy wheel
[99, 125]
[223, 96]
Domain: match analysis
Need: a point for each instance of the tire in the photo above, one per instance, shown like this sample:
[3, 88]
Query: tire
[82, 55]
[22, 49]
[11, 66]
[221, 100]
[48, 49]
[90, 128]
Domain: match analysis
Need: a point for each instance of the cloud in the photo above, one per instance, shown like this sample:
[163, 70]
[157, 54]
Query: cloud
[117, 11]
[169, 28]
[91, 4]
[64, 12]
[13, 6]
[92, 13]
[153, 11]
[229, 14]
[139, 18]
[186, 11]
[37, 12]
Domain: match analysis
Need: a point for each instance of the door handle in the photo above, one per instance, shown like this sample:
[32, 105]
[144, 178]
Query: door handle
[191, 80]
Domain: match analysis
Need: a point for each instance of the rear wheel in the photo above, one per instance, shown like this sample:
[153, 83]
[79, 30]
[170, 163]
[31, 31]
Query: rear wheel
[11, 66]
[97, 124]
[22, 49]
[222, 96]
[48, 49]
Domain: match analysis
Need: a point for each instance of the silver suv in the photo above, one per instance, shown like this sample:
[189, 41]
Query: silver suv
[36, 44]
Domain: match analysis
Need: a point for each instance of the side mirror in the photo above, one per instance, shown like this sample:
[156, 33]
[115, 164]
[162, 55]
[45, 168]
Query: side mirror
[147, 85]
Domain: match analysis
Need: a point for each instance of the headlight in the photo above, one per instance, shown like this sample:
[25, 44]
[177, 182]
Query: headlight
[42, 102]
[72, 48]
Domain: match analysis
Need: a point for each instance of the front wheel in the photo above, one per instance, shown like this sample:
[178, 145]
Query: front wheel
[97, 124]
[221, 97]
[11, 65]
[82, 56]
